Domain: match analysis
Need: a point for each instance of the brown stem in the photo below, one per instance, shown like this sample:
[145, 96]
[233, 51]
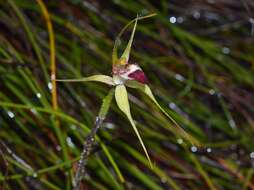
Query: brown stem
[88, 145]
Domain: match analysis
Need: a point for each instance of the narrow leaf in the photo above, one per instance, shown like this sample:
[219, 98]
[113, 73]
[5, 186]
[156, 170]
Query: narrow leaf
[123, 104]
[146, 89]
[113, 163]
[96, 78]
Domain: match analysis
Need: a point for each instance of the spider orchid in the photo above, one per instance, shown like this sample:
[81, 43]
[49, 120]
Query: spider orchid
[125, 74]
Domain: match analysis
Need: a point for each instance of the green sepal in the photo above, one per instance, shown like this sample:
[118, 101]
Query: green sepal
[122, 101]
[94, 78]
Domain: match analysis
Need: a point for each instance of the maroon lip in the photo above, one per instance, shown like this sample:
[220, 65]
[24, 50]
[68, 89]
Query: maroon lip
[139, 76]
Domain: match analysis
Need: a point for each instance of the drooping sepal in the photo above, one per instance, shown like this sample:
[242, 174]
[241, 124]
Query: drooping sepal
[146, 89]
[122, 101]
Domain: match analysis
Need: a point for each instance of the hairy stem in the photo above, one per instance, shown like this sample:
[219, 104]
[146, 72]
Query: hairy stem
[88, 145]
[90, 140]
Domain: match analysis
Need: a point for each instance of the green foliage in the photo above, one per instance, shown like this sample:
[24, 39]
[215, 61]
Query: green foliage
[208, 92]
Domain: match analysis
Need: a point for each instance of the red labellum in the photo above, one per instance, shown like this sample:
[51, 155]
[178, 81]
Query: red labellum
[139, 76]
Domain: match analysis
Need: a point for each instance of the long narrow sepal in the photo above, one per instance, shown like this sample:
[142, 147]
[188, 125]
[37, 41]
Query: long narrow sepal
[123, 104]
[146, 89]
[126, 54]
[95, 78]
[115, 59]
[114, 54]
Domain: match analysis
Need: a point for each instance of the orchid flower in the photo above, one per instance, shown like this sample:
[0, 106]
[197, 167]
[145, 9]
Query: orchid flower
[125, 74]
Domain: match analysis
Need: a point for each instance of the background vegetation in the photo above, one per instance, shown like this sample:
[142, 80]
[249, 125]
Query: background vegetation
[198, 56]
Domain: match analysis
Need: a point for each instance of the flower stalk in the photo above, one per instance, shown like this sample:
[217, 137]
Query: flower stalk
[87, 148]
[90, 140]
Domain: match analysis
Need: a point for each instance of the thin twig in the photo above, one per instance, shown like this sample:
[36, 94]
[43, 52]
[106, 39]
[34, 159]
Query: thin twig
[88, 145]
